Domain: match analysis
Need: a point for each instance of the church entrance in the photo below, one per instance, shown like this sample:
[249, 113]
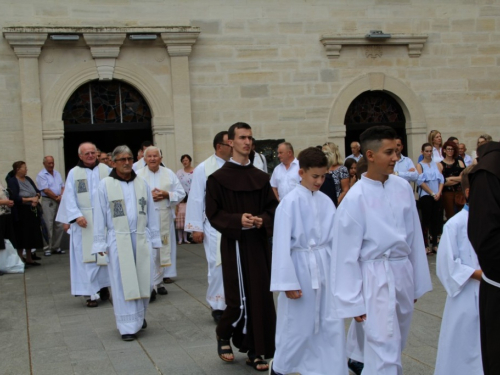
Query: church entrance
[108, 114]
[373, 108]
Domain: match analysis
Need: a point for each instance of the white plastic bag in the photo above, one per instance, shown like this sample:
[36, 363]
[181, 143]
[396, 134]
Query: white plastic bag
[9, 260]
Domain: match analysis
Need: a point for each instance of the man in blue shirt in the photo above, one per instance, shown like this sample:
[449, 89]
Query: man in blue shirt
[404, 166]
[51, 185]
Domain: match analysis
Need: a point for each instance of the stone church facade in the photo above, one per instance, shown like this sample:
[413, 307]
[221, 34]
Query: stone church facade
[291, 69]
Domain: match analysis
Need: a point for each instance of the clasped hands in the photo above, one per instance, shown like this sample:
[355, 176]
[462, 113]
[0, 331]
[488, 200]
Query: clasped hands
[250, 221]
[159, 195]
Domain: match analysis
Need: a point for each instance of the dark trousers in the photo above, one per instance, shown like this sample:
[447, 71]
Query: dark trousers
[432, 218]
[489, 313]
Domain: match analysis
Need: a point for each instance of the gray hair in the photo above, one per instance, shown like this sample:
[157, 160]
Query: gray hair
[152, 148]
[85, 143]
[45, 158]
[123, 149]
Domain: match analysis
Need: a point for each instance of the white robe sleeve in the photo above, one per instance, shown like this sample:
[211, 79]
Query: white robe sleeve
[195, 210]
[101, 207]
[450, 270]
[421, 276]
[283, 275]
[153, 224]
[68, 208]
[347, 279]
[176, 193]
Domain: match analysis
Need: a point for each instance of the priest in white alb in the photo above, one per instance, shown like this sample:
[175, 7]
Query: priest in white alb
[379, 268]
[459, 347]
[197, 222]
[167, 192]
[89, 273]
[126, 227]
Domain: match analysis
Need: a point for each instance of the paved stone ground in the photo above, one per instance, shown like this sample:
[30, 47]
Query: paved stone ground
[45, 330]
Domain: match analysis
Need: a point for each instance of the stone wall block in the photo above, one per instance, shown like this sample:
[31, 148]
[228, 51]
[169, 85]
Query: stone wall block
[254, 77]
[256, 52]
[254, 91]
[329, 75]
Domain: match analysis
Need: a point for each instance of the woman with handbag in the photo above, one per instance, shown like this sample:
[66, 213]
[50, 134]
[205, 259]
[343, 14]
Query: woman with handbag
[451, 168]
[26, 211]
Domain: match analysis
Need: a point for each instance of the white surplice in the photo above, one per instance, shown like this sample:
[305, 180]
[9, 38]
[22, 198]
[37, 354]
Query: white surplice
[308, 339]
[196, 221]
[459, 348]
[379, 267]
[86, 278]
[176, 195]
[129, 314]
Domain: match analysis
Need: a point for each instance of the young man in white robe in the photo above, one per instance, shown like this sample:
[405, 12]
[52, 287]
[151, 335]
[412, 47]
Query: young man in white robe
[379, 268]
[126, 227]
[167, 192]
[197, 223]
[459, 348]
[308, 339]
[89, 273]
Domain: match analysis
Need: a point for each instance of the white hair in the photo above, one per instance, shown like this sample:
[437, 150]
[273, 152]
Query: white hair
[123, 149]
[85, 143]
[152, 148]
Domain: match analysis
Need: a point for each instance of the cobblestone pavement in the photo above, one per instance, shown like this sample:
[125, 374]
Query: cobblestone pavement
[45, 330]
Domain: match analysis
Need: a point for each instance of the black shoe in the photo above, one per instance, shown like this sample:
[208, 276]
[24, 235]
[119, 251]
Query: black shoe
[168, 280]
[128, 337]
[104, 294]
[35, 257]
[153, 296]
[355, 366]
[144, 324]
[217, 314]
[162, 291]
[34, 264]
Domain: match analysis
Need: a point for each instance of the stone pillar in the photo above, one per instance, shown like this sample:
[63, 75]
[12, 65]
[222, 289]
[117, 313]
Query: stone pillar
[105, 48]
[27, 47]
[179, 47]
[416, 136]
[164, 138]
[336, 134]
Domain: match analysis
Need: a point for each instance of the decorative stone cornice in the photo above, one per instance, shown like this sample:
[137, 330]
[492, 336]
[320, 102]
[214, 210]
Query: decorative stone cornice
[26, 44]
[105, 48]
[53, 134]
[334, 43]
[179, 43]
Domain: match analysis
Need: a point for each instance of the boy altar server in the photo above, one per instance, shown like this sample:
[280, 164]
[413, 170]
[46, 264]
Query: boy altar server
[379, 267]
[308, 340]
[459, 349]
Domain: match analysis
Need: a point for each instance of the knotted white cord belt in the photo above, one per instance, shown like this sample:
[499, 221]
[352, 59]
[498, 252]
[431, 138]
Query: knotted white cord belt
[243, 299]
[489, 281]
[314, 272]
[390, 284]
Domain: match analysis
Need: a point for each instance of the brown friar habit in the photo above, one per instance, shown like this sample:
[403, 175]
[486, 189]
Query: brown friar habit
[484, 235]
[232, 191]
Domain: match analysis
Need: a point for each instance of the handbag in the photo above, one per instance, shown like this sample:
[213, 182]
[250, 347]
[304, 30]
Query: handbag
[459, 198]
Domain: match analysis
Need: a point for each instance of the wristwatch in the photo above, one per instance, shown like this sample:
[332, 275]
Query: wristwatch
[433, 195]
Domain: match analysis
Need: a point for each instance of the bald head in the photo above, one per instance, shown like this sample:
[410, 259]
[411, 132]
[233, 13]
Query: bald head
[48, 163]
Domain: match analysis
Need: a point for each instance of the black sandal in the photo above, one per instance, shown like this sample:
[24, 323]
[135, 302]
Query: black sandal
[91, 303]
[221, 351]
[256, 360]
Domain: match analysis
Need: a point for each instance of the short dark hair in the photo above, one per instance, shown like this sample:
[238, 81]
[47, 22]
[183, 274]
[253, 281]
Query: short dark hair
[426, 144]
[238, 125]
[361, 167]
[451, 139]
[186, 156]
[146, 144]
[371, 138]
[311, 157]
[450, 144]
[399, 137]
[219, 138]
[17, 165]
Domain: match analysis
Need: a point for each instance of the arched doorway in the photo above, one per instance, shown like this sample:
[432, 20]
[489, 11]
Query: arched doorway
[373, 108]
[107, 113]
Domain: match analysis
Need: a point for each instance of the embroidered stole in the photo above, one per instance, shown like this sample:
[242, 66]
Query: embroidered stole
[135, 274]
[210, 167]
[84, 204]
[165, 216]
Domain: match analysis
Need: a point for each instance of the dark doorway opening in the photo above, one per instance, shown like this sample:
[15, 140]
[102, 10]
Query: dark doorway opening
[107, 114]
[373, 108]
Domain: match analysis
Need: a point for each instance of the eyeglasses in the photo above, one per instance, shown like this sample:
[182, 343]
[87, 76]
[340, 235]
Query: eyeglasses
[450, 149]
[123, 160]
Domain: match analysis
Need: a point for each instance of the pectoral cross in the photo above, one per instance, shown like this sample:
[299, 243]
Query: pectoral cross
[142, 203]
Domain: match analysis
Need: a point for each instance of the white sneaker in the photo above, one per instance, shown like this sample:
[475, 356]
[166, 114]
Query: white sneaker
[59, 251]
[47, 253]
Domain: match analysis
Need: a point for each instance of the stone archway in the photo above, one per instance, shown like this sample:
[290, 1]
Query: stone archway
[416, 124]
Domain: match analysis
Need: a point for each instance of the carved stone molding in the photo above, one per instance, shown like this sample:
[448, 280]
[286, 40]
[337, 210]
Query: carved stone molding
[26, 44]
[334, 43]
[179, 43]
[53, 134]
[105, 48]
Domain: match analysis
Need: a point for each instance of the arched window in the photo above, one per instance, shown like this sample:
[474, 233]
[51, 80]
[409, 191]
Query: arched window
[100, 102]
